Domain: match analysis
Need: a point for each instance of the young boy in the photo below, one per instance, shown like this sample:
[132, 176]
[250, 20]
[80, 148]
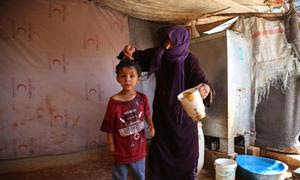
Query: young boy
[124, 123]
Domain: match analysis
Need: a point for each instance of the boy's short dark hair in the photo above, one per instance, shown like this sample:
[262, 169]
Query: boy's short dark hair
[128, 63]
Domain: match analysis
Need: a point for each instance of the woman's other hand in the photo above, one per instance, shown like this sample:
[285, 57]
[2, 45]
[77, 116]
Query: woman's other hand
[204, 90]
[128, 51]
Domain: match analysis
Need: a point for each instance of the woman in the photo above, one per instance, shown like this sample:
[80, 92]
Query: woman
[173, 152]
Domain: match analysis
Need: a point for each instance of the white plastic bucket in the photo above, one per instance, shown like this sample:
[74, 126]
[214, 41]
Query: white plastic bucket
[225, 169]
[192, 103]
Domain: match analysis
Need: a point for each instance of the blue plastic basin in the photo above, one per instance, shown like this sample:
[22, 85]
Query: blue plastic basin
[259, 168]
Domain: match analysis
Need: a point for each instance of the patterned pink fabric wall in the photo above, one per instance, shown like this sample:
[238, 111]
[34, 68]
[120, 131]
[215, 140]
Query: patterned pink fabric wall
[56, 74]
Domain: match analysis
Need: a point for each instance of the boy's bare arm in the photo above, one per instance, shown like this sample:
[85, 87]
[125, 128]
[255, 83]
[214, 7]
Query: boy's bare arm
[110, 143]
[150, 126]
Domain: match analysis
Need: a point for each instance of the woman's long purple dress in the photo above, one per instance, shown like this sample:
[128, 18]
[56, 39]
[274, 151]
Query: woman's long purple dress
[173, 152]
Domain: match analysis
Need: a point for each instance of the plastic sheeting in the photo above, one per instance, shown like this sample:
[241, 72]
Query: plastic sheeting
[56, 74]
[274, 62]
[282, 107]
[278, 119]
[174, 10]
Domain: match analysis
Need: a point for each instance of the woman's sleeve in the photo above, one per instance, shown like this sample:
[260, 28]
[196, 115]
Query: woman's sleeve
[144, 57]
[196, 76]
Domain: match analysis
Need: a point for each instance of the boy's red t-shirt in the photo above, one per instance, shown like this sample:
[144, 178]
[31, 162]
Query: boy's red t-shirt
[125, 120]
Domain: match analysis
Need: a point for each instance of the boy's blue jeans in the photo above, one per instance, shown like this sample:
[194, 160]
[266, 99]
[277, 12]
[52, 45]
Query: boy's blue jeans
[120, 171]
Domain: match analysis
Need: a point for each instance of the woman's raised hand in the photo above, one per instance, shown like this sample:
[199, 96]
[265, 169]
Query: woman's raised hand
[128, 51]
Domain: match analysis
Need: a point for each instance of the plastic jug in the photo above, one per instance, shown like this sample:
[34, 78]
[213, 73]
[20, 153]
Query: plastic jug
[192, 103]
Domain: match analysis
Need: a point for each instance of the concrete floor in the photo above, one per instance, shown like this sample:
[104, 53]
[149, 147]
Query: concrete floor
[90, 165]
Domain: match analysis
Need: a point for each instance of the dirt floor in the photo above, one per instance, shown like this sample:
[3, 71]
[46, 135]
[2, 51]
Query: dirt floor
[99, 169]
[84, 171]
[88, 165]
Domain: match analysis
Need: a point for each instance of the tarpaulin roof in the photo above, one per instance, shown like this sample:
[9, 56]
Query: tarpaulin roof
[183, 11]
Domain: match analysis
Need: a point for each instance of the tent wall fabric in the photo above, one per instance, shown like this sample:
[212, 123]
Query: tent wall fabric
[56, 74]
[273, 57]
[281, 111]
[278, 119]
[292, 24]
[274, 61]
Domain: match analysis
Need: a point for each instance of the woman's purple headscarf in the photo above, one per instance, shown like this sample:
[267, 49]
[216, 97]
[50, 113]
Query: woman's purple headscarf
[180, 39]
